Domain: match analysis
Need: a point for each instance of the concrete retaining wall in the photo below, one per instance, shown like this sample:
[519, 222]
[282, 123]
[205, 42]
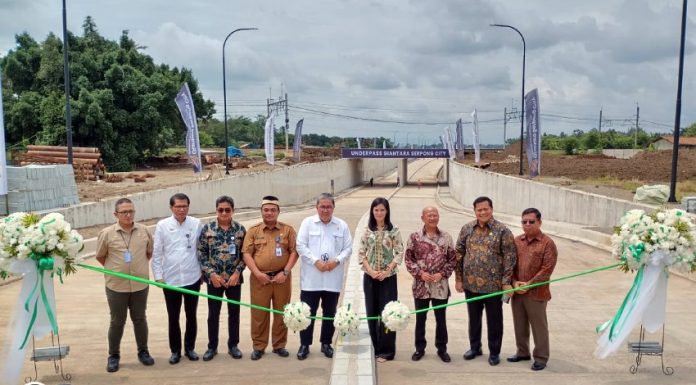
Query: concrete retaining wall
[36, 188]
[512, 195]
[293, 185]
[626, 153]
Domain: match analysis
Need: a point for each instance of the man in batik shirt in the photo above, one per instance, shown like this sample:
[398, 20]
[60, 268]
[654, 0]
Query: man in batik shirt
[430, 258]
[220, 254]
[486, 257]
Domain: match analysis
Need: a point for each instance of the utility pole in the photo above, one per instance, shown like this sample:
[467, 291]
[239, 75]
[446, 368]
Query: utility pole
[280, 105]
[635, 134]
[600, 128]
[504, 126]
[66, 81]
[287, 122]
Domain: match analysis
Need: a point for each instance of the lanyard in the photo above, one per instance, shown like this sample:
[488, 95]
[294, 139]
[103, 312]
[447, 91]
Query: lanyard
[130, 237]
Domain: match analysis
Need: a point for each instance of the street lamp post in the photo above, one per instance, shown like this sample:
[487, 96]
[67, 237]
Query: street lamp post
[524, 55]
[677, 116]
[224, 94]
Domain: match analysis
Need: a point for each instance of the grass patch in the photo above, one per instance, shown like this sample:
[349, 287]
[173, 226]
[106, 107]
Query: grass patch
[628, 185]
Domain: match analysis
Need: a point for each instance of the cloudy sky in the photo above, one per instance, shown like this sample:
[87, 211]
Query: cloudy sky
[408, 69]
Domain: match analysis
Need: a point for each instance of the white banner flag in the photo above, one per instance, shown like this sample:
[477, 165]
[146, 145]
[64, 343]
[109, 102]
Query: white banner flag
[193, 148]
[269, 139]
[450, 143]
[475, 128]
[357, 139]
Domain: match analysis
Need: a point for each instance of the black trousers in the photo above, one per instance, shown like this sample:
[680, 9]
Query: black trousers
[440, 324]
[329, 301]
[214, 307]
[173, 300]
[494, 321]
[377, 295]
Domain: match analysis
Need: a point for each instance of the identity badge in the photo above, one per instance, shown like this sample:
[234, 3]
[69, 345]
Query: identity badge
[279, 251]
[233, 248]
[127, 256]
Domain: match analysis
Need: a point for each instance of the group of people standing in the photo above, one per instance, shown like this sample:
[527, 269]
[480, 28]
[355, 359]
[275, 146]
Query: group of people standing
[184, 254]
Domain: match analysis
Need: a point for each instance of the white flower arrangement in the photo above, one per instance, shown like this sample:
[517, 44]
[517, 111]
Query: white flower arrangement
[640, 235]
[296, 316]
[395, 316]
[49, 241]
[346, 321]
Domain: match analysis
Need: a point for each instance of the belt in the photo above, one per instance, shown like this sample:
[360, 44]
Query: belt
[274, 273]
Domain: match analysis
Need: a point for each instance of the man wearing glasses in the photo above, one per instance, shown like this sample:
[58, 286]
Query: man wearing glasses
[485, 259]
[174, 262]
[324, 244]
[536, 259]
[126, 247]
[220, 255]
[269, 251]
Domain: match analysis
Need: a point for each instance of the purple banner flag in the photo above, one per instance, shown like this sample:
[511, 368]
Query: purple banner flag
[460, 139]
[531, 112]
[298, 140]
[193, 147]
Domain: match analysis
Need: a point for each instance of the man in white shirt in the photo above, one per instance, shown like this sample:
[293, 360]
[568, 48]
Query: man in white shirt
[174, 262]
[324, 244]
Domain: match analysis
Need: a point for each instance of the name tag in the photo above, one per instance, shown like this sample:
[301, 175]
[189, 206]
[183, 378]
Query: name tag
[127, 256]
[279, 251]
[233, 249]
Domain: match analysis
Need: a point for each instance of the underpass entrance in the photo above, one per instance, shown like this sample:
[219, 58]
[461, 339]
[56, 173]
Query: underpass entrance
[405, 154]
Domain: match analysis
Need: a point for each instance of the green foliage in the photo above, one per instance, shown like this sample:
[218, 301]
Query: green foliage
[594, 140]
[121, 101]
[570, 144]
[690, 131]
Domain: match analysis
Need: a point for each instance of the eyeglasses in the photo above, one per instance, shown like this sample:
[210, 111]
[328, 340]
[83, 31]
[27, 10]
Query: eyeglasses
[224, 210]
[126, 212]
[325, 208]
[180, 207]
[528, 221]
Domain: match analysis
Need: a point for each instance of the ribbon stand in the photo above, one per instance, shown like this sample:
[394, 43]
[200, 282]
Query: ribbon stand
[649, 348]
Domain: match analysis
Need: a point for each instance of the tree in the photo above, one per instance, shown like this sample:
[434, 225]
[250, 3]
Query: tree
[121, 101]
[691, 130]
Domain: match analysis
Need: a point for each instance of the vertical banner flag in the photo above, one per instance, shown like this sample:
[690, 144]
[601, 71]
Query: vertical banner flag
[193, 147]
[3, 167]
[357, 139]
[460, 139]
[531, 112]
[298, 140]
[442, 141]
[475, 129]
[450, 142]
[384, 144]
[269, 138]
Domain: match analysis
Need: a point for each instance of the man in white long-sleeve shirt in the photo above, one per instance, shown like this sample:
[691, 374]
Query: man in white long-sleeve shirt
[324, 244]
[174, 262]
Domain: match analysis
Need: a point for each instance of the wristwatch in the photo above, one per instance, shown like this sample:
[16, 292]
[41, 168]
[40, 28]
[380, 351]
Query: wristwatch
[286, 272]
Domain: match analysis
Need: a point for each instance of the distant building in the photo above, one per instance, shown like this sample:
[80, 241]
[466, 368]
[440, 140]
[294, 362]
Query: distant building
[667, 142]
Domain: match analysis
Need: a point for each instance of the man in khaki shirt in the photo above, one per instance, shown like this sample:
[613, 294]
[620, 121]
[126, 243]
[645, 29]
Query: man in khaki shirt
[126, 247]
[269, 252]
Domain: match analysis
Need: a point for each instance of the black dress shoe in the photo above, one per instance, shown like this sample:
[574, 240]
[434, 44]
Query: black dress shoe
[327, 350]
[471, 354]
[145, 358]
[417, 355]
[256, 354]
[192, 355]
[493, 360]
[302, 352]
[444, 356]
[112, 363]
[209, 354]
[281, 352]
[536, 366]
[516, 358]
[235, 353]
[175, 358]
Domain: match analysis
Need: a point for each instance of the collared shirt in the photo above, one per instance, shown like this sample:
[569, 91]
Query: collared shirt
[318, 241]
[432, 255]
[485, 256]
[174, 258]
[261, 242]
[112, 244]
[536, 259]
[380, 248]
[220, 250]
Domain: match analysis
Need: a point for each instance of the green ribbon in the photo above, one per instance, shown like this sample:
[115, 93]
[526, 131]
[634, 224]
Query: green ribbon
[182, 290]
[636, 250]
[44, 263]
[627, 306]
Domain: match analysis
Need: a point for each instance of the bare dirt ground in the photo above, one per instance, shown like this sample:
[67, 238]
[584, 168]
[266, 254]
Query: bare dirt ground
[598, 174]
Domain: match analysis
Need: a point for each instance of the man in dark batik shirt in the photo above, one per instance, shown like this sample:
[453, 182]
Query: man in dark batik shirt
[219, 251]
[486, 257]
